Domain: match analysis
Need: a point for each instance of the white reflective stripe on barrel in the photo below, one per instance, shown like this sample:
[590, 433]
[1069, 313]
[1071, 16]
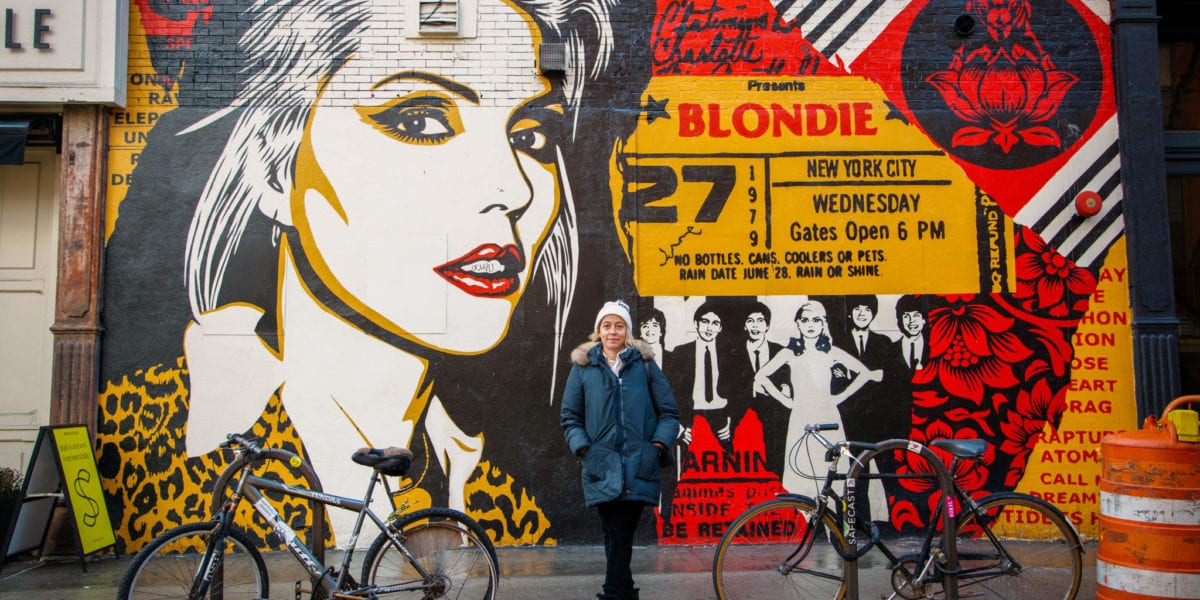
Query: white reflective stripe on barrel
[1160, 584]
[1150, 510]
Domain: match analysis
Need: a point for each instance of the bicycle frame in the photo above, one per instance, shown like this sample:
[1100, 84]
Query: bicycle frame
[973, 507]
[249, 486]
[982, 525]
[847, 516]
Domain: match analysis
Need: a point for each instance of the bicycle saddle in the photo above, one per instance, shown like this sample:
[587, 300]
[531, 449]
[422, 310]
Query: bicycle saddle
[962, 448]
[392, 460]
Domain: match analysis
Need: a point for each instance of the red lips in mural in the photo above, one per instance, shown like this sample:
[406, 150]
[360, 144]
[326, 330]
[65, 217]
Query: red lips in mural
[487, 271]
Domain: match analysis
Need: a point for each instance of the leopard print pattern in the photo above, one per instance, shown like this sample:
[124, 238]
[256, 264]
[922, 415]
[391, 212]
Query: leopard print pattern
[152, 485]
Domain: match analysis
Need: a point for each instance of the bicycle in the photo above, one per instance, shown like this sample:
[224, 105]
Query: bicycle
[428, 553]
[793, 546]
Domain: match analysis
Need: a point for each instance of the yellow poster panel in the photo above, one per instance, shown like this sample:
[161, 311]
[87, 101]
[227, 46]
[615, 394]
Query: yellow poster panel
[739, 186]
[1065, 467]
[150, 96]
[81, 485]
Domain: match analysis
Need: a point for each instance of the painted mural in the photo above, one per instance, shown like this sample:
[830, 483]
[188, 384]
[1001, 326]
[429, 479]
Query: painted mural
[332, 231]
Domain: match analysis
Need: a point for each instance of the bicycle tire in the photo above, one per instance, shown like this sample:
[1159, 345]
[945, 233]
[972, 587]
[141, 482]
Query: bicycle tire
[749, 561]
[168, 565]
[452, 547]
[1046, 548]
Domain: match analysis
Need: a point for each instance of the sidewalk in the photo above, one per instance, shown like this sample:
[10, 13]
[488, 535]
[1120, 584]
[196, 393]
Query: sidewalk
[554, 573]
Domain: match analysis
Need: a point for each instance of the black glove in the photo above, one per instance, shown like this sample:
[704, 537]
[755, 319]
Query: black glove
[665, 457]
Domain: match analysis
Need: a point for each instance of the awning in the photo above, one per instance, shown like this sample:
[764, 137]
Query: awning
[13, 135]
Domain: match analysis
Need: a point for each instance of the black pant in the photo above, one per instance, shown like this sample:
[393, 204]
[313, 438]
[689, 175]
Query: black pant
[619, 518]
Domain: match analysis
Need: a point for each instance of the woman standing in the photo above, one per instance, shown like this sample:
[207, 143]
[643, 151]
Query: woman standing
[811, 359]
[619, 417]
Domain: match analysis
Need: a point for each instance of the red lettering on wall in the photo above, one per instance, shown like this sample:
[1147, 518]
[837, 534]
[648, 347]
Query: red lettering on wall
[752, 120]
[1096, 363]
[1061, 498]
[714, 117]
[691, 120]
[862, 119]
[762, 120]
[1071, 456]
[1103, 407]
[790, 120]
[1092, 385]
[821, 119]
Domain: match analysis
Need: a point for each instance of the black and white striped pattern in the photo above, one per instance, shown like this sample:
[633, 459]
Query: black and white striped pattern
[1051, 212]
[840, 27]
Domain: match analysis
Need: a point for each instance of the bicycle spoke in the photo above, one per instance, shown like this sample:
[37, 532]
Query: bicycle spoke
[775, 550]
[1039, 555]
[168, 567]
[450, 559]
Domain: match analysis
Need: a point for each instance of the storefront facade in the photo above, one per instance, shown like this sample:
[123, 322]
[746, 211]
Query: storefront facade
[61, 68]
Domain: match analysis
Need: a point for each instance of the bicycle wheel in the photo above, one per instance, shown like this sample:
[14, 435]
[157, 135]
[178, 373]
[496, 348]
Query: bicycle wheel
[1047, 558]
[452, 549]
[170, 563]
[775, 550]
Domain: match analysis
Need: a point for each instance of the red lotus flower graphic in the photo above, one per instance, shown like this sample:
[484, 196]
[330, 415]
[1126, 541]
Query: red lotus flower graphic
[1007, 87]
[1044, 278]
[972, 347]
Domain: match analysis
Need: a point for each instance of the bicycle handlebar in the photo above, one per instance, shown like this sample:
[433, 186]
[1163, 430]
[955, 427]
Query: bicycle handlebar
[246, 444]
[814, 431]
[821, 427]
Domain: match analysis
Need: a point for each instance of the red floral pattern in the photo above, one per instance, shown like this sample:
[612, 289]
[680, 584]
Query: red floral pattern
[972, 348]
[998, 370]
[1047, 281]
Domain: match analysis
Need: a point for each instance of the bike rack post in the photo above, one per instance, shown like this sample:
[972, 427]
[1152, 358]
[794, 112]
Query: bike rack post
[945, 482]
[283, 457]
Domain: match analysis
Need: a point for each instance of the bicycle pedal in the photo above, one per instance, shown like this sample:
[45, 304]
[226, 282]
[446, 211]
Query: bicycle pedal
[300, 591]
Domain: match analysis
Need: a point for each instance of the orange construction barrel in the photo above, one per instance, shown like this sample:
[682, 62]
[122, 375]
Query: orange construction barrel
[1150, 509]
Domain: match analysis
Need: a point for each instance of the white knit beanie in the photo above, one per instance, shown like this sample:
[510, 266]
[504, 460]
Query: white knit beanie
[614, 307]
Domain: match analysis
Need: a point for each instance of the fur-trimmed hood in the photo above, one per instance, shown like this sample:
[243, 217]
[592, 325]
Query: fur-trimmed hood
[579, 355]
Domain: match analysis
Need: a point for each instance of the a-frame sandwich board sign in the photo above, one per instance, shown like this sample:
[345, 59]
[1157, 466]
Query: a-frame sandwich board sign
[62, 466]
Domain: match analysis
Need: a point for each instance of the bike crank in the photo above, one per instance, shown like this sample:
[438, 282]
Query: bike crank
[906, 581]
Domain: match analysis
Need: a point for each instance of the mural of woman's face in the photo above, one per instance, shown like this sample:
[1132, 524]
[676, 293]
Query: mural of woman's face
[811, 322]
[428, 186]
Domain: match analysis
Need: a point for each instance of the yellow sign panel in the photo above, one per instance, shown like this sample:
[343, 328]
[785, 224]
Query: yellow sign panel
[81, 484]
[1065, 467]
[742, 186]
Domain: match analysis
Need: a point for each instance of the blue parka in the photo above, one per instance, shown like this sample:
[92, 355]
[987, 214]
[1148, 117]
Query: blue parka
[618, 419]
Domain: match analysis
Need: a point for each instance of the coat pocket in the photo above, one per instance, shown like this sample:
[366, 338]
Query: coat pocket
[648, 462]
[600, 463]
